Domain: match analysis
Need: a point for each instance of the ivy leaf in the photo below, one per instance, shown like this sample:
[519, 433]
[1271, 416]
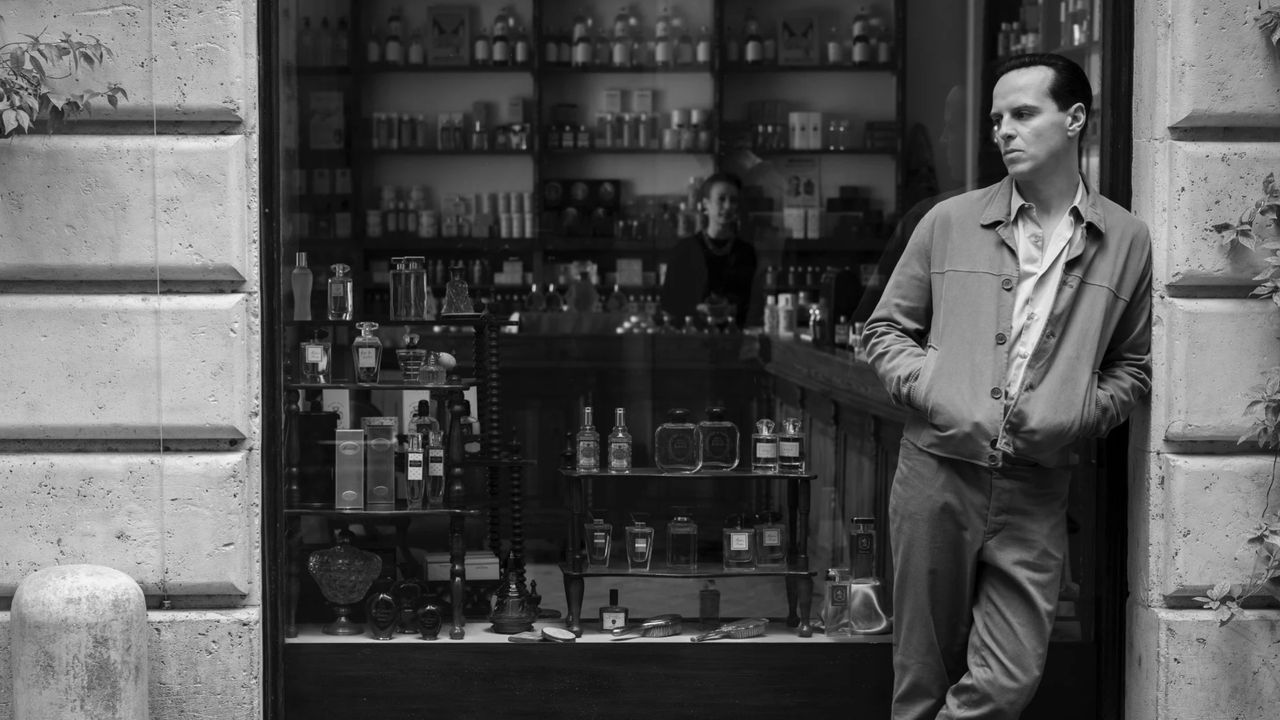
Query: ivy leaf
[1223, 615]
[8, 121]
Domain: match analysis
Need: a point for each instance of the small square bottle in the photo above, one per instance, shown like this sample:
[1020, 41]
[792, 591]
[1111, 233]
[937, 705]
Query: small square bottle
[771, 540]
[599, 535]
[613, 616]
[639, 543]
[682, 541]
[739, 544]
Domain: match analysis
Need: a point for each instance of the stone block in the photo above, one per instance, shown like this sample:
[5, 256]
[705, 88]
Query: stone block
[177, 59]
[1211, 503]
[205, 665]
[1224, 72]
[185, 523]
[1183, 665]
[1207, 354]
[1215, 182]
[126, 208]
[158, 366]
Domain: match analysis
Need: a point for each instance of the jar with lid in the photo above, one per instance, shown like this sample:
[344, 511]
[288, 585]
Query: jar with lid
[771, 540]
[719, 441]
[677, 444]
[739, 543]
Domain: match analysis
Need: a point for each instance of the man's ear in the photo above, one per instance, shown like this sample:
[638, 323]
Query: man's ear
[1076, 116]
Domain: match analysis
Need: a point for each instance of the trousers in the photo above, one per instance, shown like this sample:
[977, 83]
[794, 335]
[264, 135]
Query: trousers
[978, 554]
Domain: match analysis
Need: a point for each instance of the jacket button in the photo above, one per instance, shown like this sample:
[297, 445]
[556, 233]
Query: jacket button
[1001, 338]
[996, 393]
[1007, 283]
[993, 459]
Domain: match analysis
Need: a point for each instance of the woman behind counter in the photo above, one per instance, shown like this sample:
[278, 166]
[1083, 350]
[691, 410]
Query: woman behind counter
[711, 272]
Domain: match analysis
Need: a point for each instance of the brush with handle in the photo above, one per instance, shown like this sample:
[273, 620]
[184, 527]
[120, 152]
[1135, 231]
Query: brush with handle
[656, 626]
[744, 628]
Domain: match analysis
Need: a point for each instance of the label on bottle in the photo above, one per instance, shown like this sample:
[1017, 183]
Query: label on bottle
[621, 53]
[755, 51]
[739, 541]
[413, 466]
[771, 537]
[717, 445]
[435, 466]
[619, 456]
[336, 289]
[640, 545]
[611, 619]
[501, 52]
[314, 353]
[662, 52]
[704, 52]
[789, 448]
[766, 451]
[681, 447]
[864, 543]
[367, 357]
[838, 594]
[588, 455]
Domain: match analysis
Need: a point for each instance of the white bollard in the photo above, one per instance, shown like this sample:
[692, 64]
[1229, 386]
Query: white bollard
[78, 645]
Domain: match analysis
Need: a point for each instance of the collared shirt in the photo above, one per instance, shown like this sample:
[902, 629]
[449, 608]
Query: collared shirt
[1040, 264]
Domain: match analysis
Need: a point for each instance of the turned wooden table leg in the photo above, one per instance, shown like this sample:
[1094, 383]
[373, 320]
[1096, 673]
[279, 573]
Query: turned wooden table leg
[573, 589]
[293, 570]
[805, 590]
[457, 576]
[793, 619]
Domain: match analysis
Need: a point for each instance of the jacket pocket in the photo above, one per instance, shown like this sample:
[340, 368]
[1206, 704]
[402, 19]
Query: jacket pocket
[919, 395]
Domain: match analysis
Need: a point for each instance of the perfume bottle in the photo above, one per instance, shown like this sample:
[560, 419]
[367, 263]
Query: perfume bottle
[753, 48]
[315, 358]
[677, 444]
[501, 45]
[587, 445]
[719, 441]
[300, 280]
[457, 295]
[862, 547]
[709, 605]
[619, 443]
[599, 536]
[682, 541]
[366, 351]
[663, 45]
[791, 455]
[613, 615]
[739, 543]
[433, 373]
[415, 480]
[639, 543]
[435, 469]
[340, 292]
[764, 448]
[771, 540]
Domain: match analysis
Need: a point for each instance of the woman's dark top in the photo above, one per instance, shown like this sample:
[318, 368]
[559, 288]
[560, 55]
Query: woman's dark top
[696, 272]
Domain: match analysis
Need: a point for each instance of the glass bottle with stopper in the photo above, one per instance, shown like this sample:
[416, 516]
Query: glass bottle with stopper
[639, 542]
[599, 534]
[719, 441]
[315, 358]
[764, 448]
[791, 450]
[340, 291]
[677, 444]
[457, 295]
[411, 357]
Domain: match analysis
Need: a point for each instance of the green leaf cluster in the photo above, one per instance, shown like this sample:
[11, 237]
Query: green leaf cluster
[28, 69]
[1269, 21]
[1258, 230]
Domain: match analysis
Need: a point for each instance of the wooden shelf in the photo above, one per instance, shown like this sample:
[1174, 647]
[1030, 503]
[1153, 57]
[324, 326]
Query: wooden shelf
[695, 68]
[467, 383]
[384, 321]
[405, 69]
[653, 473]
[414, 152]
[745, 69]
[619, 569]
[381, 514]
[562, 152]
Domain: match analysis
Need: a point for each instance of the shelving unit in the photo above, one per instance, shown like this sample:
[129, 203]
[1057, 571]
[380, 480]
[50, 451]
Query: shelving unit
[797, 575]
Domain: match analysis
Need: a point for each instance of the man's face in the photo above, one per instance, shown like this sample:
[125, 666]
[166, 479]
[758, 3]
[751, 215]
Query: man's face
[722, 204]
[1033, 135]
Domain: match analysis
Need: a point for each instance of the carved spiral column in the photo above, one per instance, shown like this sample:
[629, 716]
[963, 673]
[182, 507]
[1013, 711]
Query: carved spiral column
[516, 473]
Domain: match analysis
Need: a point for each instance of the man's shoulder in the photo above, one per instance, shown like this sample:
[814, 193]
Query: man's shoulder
[1121, 223]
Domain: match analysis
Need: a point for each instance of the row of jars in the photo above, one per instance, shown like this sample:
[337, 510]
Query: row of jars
[749, 542]
[682, 446]
[452, 133]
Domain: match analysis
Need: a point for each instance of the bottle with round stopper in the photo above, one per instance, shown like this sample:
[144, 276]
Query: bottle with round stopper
[366, 353]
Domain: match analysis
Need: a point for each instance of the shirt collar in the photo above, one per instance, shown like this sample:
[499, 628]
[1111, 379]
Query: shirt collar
[1017, 202]
[1000, 206]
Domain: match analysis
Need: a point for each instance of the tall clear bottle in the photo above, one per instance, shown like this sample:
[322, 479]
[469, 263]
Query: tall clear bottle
[582, 49]
[753, 48]
[622, 40]
[340, 292]
[663, 44]
[415, 479]
[619, 443]
[587, 444]
[501, 43]
[685, 50]
[366, 353]
[435, 469]
[300, 281]
[682, 541]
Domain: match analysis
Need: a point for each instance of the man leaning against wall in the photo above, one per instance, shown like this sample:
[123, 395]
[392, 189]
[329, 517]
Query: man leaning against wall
[1016, 324]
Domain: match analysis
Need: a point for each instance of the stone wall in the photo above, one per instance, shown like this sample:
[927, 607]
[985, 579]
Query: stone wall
[1206, 116]
[129, 301]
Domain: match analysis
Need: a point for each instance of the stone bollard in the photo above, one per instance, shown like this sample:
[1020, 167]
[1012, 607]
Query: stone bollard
[78, 644]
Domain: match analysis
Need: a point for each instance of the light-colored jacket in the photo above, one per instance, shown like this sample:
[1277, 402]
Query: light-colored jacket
[939, 336]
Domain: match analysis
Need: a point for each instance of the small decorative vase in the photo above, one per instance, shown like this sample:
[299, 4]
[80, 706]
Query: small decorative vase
[382, 614]
[344, 573]
[430, 618]
[457, 295]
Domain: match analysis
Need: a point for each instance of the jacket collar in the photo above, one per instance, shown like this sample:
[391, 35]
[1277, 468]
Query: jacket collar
[1000, 196]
